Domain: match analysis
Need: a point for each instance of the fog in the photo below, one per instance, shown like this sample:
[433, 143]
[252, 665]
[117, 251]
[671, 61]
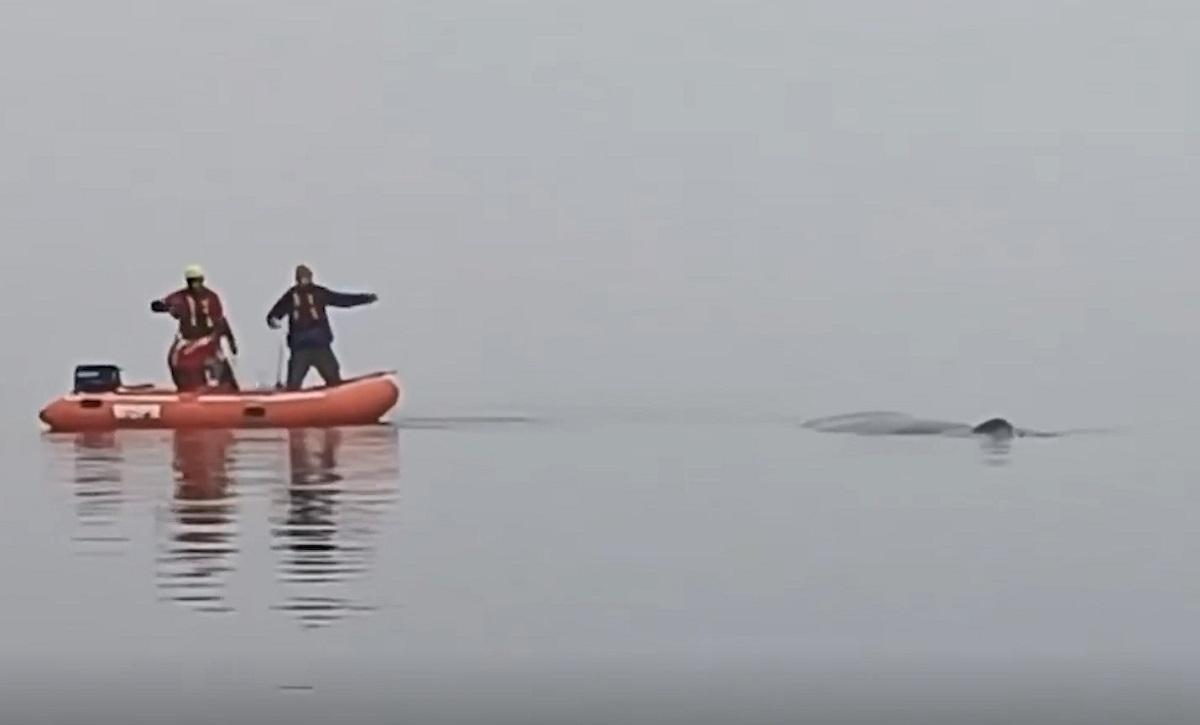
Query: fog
[733, 211]
[816, 207]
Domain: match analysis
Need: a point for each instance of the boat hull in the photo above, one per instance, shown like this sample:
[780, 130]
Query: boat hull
[361, 401]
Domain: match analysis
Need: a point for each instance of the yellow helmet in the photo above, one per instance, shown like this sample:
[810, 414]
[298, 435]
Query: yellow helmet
[193, 271]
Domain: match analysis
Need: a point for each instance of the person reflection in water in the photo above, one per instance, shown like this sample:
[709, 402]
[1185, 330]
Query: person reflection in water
[320, 554]
[312, 559]
[199, 537]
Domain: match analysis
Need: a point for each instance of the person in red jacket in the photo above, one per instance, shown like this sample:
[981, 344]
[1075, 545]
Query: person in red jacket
[196, 354]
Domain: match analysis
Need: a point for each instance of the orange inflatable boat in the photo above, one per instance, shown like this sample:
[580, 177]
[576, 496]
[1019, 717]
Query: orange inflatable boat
[360, 401]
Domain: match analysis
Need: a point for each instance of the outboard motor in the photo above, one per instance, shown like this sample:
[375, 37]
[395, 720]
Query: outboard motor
[97, 378]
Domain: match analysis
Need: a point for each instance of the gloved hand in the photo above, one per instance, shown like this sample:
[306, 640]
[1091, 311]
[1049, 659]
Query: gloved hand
[159, 306]
[372, 298]
[233, 348]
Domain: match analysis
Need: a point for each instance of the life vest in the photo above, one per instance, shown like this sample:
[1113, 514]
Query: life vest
[196, 316]
[305, 307]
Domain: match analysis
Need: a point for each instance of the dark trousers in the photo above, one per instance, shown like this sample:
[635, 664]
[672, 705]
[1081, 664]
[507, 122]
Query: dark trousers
[321, 358]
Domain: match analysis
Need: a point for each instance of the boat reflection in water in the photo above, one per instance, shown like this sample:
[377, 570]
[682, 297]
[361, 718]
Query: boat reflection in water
[197, 540]
[319, 497]
[98, 492]
[325, 523]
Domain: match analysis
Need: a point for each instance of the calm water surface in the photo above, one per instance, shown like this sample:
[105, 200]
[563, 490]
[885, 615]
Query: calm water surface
[601, 570]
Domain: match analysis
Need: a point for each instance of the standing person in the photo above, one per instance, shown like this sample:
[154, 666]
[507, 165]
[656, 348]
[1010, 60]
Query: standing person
[310, 337]
[196, 349]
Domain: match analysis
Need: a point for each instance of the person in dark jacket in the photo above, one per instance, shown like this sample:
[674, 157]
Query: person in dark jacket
[310, 337]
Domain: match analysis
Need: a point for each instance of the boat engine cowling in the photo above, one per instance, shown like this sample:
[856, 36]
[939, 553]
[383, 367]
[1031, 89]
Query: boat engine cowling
[97, 378]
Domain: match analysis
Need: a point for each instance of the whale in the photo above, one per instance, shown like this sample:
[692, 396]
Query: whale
[882, 423]
[996, 428]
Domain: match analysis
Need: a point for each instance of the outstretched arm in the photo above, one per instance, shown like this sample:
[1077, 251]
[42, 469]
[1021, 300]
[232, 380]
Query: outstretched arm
[168, 304]
[345, 299]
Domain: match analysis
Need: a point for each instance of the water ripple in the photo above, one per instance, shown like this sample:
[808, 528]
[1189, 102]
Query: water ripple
[324, 523]
[319, 496]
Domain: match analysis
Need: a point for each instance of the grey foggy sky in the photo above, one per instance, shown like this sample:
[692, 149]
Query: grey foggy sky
[956, 208]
